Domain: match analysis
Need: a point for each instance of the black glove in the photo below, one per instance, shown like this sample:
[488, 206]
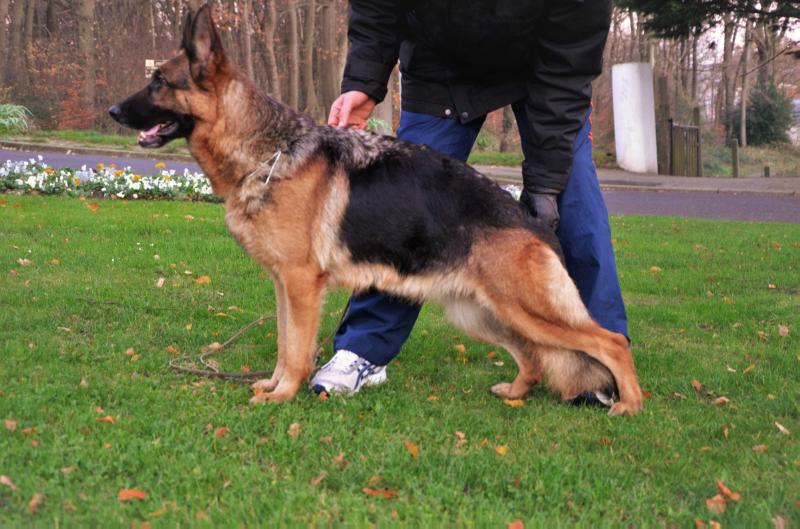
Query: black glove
[544, 207]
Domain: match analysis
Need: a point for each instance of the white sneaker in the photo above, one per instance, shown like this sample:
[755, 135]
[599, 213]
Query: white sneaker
[347, 373]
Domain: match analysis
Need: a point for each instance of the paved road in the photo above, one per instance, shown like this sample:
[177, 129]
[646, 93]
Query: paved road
[704, 205]
[636, 202]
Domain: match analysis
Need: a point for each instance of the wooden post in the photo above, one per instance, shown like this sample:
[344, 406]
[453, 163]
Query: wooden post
[662, 125]
[696, 117]
[671, 147]
[766, 171]
[735, 156]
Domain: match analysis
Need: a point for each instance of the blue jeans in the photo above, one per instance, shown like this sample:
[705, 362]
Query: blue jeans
[376, 325]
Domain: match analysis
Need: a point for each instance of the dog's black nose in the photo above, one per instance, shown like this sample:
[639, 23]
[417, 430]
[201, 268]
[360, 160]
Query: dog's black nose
[115, 112]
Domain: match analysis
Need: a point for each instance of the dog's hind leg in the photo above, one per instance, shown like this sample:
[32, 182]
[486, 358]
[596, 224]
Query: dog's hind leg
[529, 289]
[480, 324]
[269, 384]
[304, 293]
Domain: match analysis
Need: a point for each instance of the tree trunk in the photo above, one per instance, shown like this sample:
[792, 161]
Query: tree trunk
[270, 21]
[52, 20]
[30, 13]
[150, 28]
[3, 37]
[745, 79]
[329, 75]
[15, 70]
[506, 140]
[87, 53]
[247, 8]
[728, 72]
[309, 34]
[294, 56]
[177, 19]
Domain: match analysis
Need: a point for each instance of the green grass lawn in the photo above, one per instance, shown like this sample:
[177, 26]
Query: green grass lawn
[706, 300]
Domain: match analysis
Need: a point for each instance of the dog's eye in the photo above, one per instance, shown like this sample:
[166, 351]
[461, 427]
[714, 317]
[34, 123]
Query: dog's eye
[158, 80]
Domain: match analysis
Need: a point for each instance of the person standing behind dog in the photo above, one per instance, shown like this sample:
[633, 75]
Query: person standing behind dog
[459, 61]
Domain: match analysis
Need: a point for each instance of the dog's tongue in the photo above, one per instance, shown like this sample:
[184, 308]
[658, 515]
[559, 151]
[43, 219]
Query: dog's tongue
[149, 133]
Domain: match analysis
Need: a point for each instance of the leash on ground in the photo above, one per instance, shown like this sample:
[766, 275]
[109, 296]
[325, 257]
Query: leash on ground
[212, 369]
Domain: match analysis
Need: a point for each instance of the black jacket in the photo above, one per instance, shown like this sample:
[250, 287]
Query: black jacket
[461, 59]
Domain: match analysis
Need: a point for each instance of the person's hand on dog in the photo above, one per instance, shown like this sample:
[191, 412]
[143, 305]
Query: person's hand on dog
[351, 109]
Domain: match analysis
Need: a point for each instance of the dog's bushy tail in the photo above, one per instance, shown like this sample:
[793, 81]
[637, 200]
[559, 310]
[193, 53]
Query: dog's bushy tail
[573, 373]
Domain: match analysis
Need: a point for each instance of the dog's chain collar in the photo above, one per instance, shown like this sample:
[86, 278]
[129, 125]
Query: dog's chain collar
[272, 163]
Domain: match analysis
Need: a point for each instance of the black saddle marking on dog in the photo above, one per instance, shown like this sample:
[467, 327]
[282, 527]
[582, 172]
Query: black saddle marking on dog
[420, 211]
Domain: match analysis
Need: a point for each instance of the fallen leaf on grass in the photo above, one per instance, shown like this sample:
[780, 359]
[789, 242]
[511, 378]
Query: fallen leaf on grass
[462, 439]
[721, 401]
[716, 504]
[516, 524]
[221, 432]
[655, 270]
[783, 331]
[412, 449]
[203, 280]
[340, 460]
[326, 440]
[748, 369]
[35, 503]
[83, 383]
[294, 429]
[67, 470]
[696, 384]
[735, 496]
[375, 479]
[107, 419]
[779, 522]
[501, 450]
[760, 448]
[5, 480]
[24, 262]
[160, 282]
[772, 286]
[714, 525]
[460, 348]
[384, 493]
[514, 403]
[11, 425]
[782, 428]
[317, 480]
[491, 355]
[131, 494]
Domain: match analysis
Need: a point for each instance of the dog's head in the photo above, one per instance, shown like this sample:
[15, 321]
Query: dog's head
[182, 90]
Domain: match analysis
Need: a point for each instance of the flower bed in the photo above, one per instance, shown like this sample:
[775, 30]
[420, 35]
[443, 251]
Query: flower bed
[35, 176]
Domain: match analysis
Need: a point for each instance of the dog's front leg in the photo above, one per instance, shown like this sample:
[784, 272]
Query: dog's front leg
[269, 384]
[304, 289]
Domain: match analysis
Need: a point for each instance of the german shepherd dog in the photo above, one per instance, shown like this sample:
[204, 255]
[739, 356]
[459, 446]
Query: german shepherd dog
[320, 206]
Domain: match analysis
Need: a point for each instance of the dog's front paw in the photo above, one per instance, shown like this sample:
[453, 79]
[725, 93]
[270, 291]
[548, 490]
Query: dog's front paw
[625, 408]
[505, 390]
[280, 394]
[266, 384]
[271, 396]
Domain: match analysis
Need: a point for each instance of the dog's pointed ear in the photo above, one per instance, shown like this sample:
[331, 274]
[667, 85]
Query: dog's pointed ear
[186, 33]
[202, 44]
